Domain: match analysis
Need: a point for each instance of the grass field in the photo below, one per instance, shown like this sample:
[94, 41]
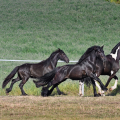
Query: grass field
[34, 29]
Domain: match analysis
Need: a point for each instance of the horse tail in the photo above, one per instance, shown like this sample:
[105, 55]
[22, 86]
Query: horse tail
[87, 81]
[11, 75]
[44, 80]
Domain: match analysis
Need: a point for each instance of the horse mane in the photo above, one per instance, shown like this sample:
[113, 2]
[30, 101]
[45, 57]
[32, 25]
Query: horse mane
[115, 48]
[55, 52]
[87, 53]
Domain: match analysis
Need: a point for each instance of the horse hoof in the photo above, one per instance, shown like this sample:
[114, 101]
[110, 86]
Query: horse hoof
[110, 89]
[7, 93]
[99, 94]
[103, 95]
[8, 90]
[24, 94]
[105, 89]
[81, 95]
[96, 95]
[43, 95]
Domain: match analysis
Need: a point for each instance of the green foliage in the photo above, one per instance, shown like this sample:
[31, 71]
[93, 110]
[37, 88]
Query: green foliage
[116, 1]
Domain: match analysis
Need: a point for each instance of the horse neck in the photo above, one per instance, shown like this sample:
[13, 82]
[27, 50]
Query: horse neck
[116, 55]
[53, 60]
[93, 57]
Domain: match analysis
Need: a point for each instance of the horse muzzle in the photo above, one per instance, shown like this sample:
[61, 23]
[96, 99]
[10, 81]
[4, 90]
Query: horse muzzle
[67, 60]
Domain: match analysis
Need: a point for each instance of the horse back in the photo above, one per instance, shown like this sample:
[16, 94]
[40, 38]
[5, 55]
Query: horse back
[75, 72]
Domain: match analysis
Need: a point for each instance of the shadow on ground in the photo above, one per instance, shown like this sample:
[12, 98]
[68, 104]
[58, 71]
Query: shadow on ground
[55, 93]
[114, 92]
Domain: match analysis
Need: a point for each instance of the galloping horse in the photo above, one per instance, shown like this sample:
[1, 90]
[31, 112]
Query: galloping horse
[84, 68]
[110, 68]
[26, 71]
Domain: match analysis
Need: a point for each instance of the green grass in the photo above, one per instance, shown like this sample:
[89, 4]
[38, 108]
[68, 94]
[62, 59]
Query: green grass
[34, 29]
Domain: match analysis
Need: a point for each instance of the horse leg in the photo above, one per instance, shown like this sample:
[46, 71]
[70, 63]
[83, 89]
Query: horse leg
[59, 77]
[44, 90]
[55, 83]
[24, 80]
[11, 86]
[110, 78]
[93, 76]
[58, 90]
[94, 88]
[115, 84]
[50, 91]
[100, 91]
[81, 90]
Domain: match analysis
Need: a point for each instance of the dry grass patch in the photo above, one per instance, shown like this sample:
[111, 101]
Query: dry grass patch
[59, 107]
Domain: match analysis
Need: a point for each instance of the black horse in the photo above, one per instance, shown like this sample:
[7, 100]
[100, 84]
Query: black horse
[26, 71]
[84, 68]
[110, 68]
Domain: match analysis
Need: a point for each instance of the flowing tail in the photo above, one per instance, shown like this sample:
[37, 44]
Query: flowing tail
[11, 75]
[87, 81]
[44, 80]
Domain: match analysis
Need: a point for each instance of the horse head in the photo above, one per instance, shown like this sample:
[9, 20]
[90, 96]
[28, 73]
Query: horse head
[100, 53]
[62, 56]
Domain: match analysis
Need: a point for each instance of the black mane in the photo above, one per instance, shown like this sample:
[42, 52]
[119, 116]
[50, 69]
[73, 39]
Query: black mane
[87, 53]
[115, 48]
[55, 52]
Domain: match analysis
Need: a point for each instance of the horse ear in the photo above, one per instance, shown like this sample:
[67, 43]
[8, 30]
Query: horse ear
[59, 49]
[102, 46]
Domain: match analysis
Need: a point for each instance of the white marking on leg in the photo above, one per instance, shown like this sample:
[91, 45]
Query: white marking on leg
[115, 85]
[103, 93]
[100, 91]
[81, 88]
[114, 55]
[80, 91]
[98, 86]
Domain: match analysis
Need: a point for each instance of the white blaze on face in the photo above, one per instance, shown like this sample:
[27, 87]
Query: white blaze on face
[114, 55]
